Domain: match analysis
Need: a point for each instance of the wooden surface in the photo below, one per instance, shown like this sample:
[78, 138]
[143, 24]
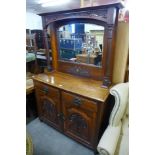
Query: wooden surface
[105, 15]
[48, 104]
[83, 70]
[75, 106]
[82, 86]
[82, 118]
[80, 105]
[100, 4]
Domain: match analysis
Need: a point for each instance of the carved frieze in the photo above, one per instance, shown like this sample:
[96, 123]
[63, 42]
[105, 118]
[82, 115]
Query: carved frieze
[100, 14]
[77, 70]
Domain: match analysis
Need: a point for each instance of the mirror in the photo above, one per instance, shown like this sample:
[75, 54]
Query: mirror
[81, 43]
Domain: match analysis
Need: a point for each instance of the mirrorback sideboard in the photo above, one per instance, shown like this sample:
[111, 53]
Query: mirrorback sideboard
[74, 97]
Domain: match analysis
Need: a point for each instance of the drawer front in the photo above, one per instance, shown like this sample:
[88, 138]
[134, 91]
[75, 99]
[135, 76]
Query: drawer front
[48, 90]
[80, 118]
[79, 102]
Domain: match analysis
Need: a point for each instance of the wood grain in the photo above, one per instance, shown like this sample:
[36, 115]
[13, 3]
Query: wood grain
[78, 85]
[105, 15]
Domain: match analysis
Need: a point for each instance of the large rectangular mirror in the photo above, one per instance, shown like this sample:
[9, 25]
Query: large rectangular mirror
[81, 43]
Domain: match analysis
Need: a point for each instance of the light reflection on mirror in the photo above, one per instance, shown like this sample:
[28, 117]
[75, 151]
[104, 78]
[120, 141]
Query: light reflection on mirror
[81, 43]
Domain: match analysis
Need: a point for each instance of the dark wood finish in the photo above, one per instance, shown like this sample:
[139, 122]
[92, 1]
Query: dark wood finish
[84, 70]
[71, 98]
[109, 46]
[79, 117]
[82, 86]
[54, 46]
[74, 105]
[104, 4]
[104, 15]
[48, 103]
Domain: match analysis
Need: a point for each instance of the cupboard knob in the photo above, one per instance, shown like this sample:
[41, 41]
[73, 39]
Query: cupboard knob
[77, 101]
[45, 90]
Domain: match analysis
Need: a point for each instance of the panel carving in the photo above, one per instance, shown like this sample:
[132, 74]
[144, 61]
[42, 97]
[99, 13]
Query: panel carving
[78, 125]
[49, 110]
[100, 14]
[77, 70]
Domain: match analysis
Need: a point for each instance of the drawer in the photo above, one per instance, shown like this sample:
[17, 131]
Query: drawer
[79, 102]
[47, 90]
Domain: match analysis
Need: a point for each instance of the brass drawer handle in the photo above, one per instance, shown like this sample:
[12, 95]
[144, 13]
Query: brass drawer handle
[45, 90]
[77, 101]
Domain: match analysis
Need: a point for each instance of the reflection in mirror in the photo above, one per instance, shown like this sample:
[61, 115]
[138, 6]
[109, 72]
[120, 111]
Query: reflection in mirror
[81, 43]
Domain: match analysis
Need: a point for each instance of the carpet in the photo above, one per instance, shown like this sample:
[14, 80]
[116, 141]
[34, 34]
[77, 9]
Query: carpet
[48, 141]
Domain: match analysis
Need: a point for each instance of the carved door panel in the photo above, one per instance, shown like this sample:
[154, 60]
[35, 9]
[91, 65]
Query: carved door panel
[48, 109]
[79, 121]
[77, 124]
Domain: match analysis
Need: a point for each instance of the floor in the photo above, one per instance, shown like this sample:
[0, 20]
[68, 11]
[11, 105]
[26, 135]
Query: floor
[48, 141]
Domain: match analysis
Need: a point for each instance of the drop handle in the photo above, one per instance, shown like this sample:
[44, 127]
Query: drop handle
[45, 90]
[77, 101]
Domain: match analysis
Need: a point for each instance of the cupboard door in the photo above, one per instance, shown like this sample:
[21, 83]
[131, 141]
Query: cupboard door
[79, 121]
[48, 108]
[49, 111]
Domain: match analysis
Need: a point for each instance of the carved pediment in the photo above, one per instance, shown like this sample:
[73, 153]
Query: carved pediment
[99, 14]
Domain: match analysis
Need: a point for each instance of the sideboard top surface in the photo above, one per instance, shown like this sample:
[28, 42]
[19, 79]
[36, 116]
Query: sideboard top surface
[82, 86]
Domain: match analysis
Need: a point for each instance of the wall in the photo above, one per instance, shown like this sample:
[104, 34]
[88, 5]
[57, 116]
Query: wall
[33, 21]
[121, 52]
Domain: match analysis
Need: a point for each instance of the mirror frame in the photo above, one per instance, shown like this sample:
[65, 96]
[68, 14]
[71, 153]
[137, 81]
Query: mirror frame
[106, 16]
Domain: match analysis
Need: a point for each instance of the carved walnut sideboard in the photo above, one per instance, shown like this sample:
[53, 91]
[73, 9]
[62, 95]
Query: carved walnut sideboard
[74, 97]
[73, 105]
